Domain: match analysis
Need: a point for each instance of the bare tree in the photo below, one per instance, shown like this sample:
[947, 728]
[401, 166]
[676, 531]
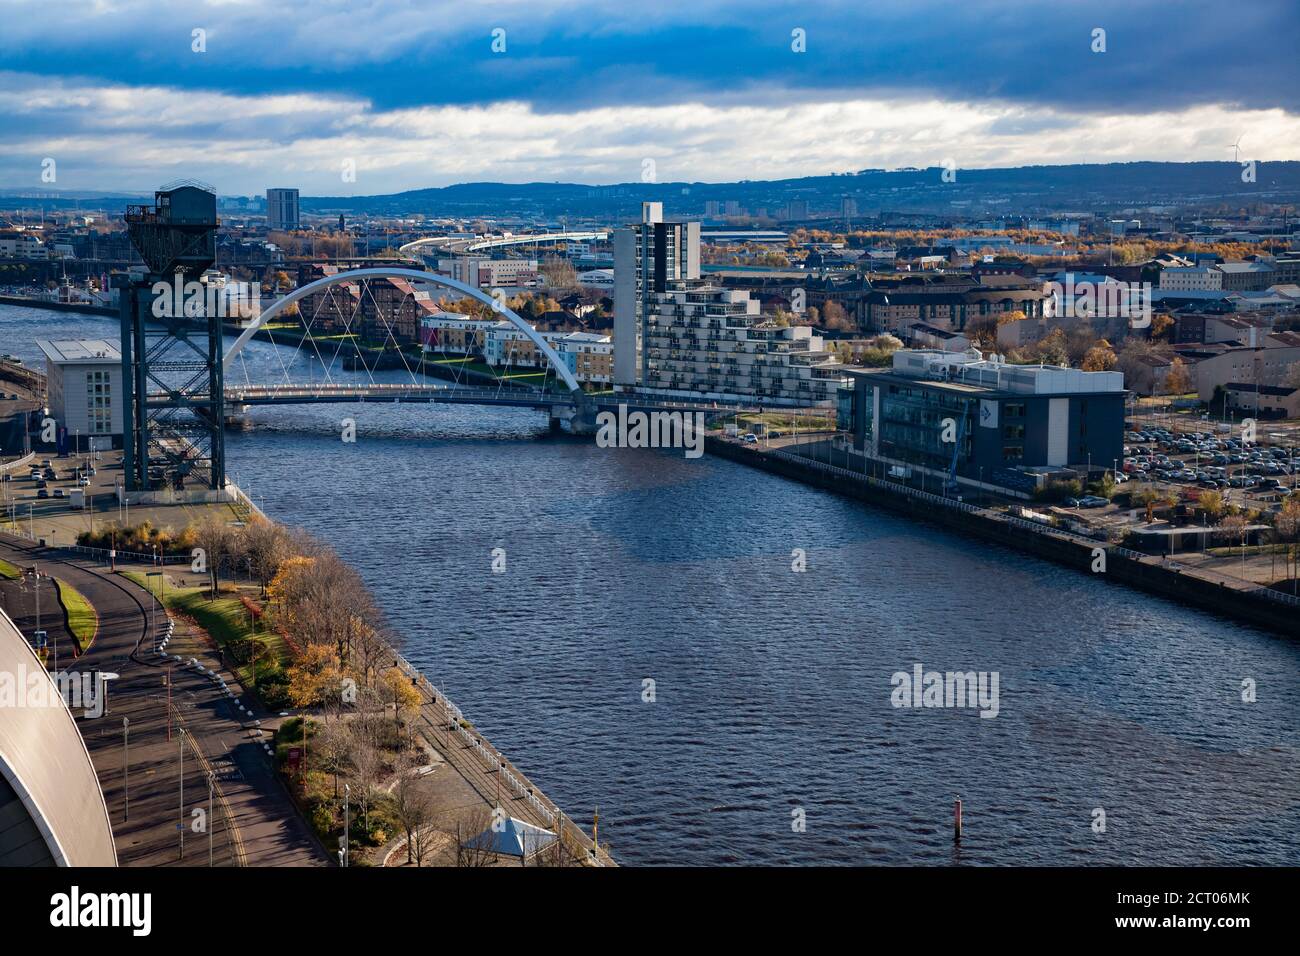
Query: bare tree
[414, 807]
[267, 545]
[367, 767]
[332, 747]
[473, 842]
[1234, 526]
[215, 538]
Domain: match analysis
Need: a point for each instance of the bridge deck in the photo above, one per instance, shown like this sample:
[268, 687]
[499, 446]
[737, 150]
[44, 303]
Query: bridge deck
[516, 397]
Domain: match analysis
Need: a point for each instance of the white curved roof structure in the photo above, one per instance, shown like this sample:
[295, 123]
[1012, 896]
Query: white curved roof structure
[52, 811]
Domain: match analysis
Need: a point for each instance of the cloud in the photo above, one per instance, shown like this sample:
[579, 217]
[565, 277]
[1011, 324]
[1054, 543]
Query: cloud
[586, 89]
[578, 54]
[135, 137]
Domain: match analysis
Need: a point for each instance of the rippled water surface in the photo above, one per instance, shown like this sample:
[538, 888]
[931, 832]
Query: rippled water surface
[772, 688]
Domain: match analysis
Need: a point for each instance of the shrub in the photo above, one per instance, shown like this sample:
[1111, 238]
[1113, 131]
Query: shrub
[1059, 491]
[273, 689]
[322, 819]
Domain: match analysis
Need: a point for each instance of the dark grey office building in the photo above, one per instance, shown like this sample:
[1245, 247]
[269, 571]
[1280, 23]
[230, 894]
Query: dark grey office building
[987, 421]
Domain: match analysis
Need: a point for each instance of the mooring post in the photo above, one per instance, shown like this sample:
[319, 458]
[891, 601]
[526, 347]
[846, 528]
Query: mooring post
[956, 821]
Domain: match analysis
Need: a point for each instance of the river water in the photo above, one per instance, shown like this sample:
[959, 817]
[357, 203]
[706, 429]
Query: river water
[772, 688]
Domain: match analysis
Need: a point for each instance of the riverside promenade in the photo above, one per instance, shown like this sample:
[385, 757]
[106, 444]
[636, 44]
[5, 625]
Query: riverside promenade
[488, 772]
[252, 818]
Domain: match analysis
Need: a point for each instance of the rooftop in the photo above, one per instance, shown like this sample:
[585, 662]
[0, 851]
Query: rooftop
[970, 371]
[80, 351]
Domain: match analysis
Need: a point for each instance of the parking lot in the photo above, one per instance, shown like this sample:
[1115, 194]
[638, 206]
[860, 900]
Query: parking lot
[1256, 474]
[53, 485]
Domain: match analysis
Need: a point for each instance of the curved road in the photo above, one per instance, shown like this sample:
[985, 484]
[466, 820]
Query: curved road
[253, 821]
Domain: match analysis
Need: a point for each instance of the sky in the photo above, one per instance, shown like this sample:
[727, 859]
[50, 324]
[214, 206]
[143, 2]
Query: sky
[363, 98]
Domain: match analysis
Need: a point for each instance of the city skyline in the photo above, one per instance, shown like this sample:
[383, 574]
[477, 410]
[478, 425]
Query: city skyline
[412, 96]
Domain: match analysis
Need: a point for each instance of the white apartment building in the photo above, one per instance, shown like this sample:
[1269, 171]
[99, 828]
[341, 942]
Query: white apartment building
[714, 343]
[589, 356]
[84, 385]
[485, 273]
[1191, 279]
[21, 245]
[455, 333]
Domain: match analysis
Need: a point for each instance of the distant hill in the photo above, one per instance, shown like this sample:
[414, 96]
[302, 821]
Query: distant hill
[976, 192]
[983, 191]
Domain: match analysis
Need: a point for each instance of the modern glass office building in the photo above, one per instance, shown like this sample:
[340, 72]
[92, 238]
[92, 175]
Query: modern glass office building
[981, 419]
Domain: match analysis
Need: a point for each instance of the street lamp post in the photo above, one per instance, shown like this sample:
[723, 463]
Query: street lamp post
[211, 780]
[347, 824]
[180, 826]
[126, 767]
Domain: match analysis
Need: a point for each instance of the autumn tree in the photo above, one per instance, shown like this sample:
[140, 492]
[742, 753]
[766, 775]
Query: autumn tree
[315, 677]
[1162, 326]
[1286, 527]
[332, 747]
[1100, 358]
[322, 599]
[1178, 381]
[221, 546]
[983, 332]
[367, 769]
[474, 846]
[1211, 502]
[266, 545]
[398, 691]
[1051, 349]
[834, 317]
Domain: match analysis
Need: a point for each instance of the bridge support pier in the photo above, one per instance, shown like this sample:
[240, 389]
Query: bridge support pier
[237, 418]
[580, 417]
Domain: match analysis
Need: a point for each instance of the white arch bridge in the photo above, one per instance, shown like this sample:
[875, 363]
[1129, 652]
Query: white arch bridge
[565, 401]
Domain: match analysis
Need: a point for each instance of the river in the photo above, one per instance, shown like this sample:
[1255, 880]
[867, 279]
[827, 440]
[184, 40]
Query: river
[771, 687]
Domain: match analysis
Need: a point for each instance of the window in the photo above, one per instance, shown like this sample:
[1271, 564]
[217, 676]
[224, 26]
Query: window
[99, 408]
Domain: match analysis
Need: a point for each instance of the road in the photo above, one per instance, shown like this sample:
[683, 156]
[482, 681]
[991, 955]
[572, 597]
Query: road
[252, 821]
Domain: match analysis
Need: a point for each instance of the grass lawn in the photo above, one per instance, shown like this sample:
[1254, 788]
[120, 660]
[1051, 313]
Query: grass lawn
[82, 619]
[785, 421]
[9, 571]
[225, 620]
[535, 378]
